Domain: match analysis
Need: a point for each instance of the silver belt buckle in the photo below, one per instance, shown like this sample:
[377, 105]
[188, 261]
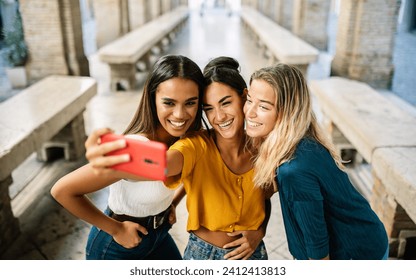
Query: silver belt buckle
[157, 222]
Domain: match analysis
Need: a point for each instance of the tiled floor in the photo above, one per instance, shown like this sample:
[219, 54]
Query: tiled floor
[48, 230]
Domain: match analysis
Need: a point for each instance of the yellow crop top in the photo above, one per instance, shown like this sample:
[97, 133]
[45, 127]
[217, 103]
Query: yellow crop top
[217, 199]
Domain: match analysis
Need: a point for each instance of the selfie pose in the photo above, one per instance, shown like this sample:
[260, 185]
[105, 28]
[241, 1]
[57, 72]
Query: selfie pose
[325, 217]
[227, 214]
[140, 213]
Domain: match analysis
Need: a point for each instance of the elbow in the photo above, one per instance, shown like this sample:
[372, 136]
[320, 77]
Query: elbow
[57, 191]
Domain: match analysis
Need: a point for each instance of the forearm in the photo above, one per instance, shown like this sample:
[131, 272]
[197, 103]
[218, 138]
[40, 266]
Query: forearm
[179, 195]
[84, 209]
[70, 191]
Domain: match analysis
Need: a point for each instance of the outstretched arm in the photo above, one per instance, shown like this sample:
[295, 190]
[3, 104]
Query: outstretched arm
[101, 162]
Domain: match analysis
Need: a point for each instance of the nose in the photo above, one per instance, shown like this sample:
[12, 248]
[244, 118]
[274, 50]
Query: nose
[179, 112]
[220, 115]
[249, 111]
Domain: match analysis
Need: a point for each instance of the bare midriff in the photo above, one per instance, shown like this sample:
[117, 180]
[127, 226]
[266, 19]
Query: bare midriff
[217, 238]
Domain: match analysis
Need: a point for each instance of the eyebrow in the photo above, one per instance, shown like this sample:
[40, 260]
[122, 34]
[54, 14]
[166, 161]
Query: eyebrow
[263, 101]
[187, 100]
[220, 101]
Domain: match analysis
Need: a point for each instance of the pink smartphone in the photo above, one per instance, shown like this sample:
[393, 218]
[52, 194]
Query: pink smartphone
[148, 158]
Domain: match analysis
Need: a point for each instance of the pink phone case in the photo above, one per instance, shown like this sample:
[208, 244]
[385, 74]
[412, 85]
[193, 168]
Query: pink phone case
[148, 158]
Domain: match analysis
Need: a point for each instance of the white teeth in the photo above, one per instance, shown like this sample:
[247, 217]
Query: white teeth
[177, 124]
[253, 124]
[225, 124]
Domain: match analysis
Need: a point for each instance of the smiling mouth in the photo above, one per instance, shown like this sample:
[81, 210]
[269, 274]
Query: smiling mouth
[226, 124]
[253, 124]
[177, 124]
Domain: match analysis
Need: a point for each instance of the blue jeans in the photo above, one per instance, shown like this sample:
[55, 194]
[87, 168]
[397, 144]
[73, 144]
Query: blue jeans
[158, 244]
[198, 249]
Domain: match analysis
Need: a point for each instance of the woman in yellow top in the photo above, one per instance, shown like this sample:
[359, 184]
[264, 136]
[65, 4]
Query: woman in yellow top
[226, 212]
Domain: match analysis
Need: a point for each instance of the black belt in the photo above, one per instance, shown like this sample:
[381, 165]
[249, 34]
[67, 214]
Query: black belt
[149, 222]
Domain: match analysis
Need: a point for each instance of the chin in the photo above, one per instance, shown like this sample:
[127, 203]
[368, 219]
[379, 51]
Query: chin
[255, 134]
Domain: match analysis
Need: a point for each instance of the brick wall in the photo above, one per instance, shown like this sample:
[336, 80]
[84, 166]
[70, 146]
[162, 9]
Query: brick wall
[394, 217]
[310, 21]
[53, 33]
[365, 40]
[44, 37]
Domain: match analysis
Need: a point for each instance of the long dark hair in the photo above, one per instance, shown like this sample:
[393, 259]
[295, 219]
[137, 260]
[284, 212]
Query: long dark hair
[145, 120]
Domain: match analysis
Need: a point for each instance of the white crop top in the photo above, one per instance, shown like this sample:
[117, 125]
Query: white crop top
[139, 198]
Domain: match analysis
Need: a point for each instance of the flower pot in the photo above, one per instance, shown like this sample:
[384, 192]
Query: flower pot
[17, 76]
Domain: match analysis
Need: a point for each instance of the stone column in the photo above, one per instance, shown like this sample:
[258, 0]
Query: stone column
[251, 3]
[365, 38]
[166, 6]
[154, 9]
[310, 21]
[107, 21]
[278, 11]
[182, 2]
[287, 12]
[53, 33]
[266, 8]
[137, 13]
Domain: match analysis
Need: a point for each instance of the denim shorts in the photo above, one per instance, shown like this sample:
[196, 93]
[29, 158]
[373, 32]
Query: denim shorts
[198, 249]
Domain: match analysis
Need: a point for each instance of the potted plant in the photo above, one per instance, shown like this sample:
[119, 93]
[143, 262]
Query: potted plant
[15, 53]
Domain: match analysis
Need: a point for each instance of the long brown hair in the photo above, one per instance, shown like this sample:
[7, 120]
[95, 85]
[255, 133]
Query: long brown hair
[145, 120]
[295, 120]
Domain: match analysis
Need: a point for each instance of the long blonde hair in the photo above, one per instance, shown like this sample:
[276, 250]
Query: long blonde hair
[295, 120]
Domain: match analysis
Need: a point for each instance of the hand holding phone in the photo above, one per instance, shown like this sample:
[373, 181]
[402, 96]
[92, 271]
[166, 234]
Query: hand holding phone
[147, 157]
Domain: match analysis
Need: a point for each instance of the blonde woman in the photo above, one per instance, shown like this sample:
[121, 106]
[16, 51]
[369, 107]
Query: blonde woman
[325, 217]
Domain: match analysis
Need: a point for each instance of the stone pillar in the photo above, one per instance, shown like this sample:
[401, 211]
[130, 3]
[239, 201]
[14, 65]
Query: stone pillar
[137, 13]
[107, 21]
[310, 21]
[165, 6]
[260, 6]
[265, 7]
[287, 14]
[278, 11]
[53, 33]
[252, 3]
[365, 38]
[154, 9]
[124, 17]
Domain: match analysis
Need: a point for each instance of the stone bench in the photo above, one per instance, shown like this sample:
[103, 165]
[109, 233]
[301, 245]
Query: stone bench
[279, 43]
[124, 53]
[358, 117]
[41, 118]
